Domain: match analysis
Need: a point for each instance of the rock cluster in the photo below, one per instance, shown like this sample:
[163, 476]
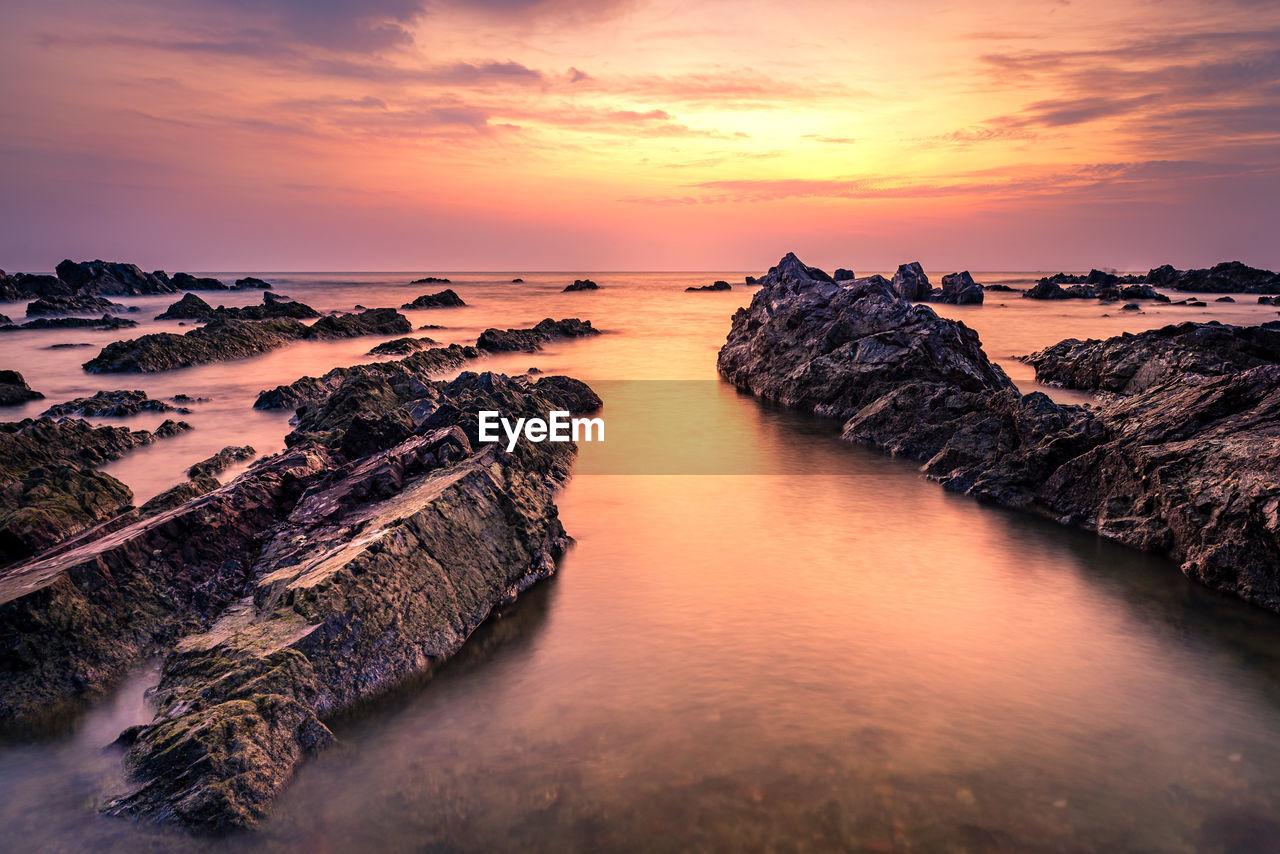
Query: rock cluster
[111, 278]
[78, 304]
[528, 340]
[444, 299]
[105, 322]
[430, 280]
[402, 346]
[714, 286]
[1181, 461]
[581, 285]
[112, 404]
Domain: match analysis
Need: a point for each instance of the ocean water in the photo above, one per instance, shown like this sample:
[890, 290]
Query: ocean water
[774, 641]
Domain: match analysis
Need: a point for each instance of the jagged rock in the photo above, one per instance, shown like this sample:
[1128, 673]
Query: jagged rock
[960, 289]
[272, 306]
[715, 286]
[1001, 289]
[911, 283]
[14, 389]
[190, 307]
[791, 269]
[402, 346]
[1130, 364]
[749, 280]
[1182, 461]
[176, 496]
[373, 321]
[843, 275]
[221, 461]
[110, 278]
[443, 299]
[79, 304]
[497, 341]
[188, 282]
[271, 298]
[1268, 300]
[104, 322]
[249, 282]
[430, 280]
[1230, 277]
[581, 285]
[111, 404]
[1142, 292]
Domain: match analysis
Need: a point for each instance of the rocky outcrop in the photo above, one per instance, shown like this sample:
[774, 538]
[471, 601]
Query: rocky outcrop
[112, 404]
[14, 389]
[111, 278]
[224, 339]
[402, 346]
[104, 322]
[1227, 277]
[1181, 461]
[188, 282]
[443, 299]
[430, 280]
[1129, 364]
[960, 289]
[79, 304]
[843, 275]
[1096, 285]
[251, 282]
[528, 340]
[581, 285]
[714, 286]
[190, 307]
[272, 307]
[221, 461]
[911, 283]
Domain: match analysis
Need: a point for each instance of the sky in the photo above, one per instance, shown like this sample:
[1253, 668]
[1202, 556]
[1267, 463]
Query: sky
[524, 135]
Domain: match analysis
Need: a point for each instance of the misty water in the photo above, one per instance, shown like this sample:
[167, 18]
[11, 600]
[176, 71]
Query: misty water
[804, 646]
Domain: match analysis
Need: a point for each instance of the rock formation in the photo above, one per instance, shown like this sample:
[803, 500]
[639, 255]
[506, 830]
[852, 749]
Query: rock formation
[444, 299]
[960, 289]
[911, 283]
[402, 346]
[14, 389]
[714, 286]
[111, 278]
[112, 404]
[499, 340]
[250, 282]
[79, 304]
[581, 285]
[188, 282]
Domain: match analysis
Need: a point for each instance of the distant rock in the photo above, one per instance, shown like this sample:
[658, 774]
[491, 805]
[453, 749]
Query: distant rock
[79, 304]
[517, 281]
[1224, 299]
[443, 299]
[843, 275]
[581, 285]
[14, 389]
[272, 306]
[188, 282]
[960, 289]
[111, 404]
[111, 278]
[911, 283]
[1229, 277]
[749, 280]
[792, 269]
[249, 282]
[402, 346]
[715, 286]
[190, 307]
[1133, 306]
[68, 346]
[430, 280]
[513, 340]
[1142, 292]
[1001, 288]
[104, 322]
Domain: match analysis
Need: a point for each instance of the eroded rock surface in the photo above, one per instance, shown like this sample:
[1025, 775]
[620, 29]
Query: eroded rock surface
[112, 404]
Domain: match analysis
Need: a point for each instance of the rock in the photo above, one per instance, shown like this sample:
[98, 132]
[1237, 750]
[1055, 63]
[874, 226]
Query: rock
[498, 341]
[271, 298]
[188, 282]
[176, 496]
[1051, 288]
[1229, 277]
[749, 280]
[14, 389]
[581, 285]
[1001, 289]
[843, 275]
[221, 461]
[1268, 300]
[517, 281]
[1142, 292]
[186, 398]
[402, 346]
[1162, 277]
[1180, 461]
[1194, 303]
[430, 280]
[104, 322]
[1133, 306]
[222, 340]
[1130, 364]
[111, 404]
[110, 278]
[190, 307]
[6, 320]
[68, 346]
[716, 286]
[960, 289]
[443, 299]
[911, 283]
[273, 306]
[80, 304]
[791, 269]
[252, 282]
[1224, 299]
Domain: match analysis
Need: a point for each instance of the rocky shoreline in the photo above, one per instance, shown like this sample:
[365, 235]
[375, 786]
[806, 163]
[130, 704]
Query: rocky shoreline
[1180, 460]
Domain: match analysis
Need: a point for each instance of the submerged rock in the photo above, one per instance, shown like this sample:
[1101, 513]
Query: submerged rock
[430, 280]
[80, 304]
[715, 286]
[14, 389]
[104, 322]
[443, 299]
[581, 285]
[112, 404]
[1183, 462]
[402, 346]
[509, 340]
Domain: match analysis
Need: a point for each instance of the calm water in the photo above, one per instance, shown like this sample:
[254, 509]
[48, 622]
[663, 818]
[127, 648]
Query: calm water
[825, 654]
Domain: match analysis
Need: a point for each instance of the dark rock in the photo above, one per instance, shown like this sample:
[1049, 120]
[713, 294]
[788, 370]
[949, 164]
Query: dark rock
[252, 282]
[110, 278]
[1268, 300]
[186, 398]
[188, 282]
[111, 404]
[716, 286]
[792, 269]
[1162, 277]
[272, 306]
[430, 280]
[749, 280]
[402, 346]
[176, 496]
[517, 281]
[1228, 277]
[1133, 306]
[497, 341]
[581, 285]
[14, 389]
[221, 461]
[1001, 289]
[372, 321]
[1142, 292]
[1224, 299]
[104, 322]
[190, 307]
[443, 299]
[843, 275]
[960, 289]
[6, 320]
[79, 304]
[911, 283]
[68, 346]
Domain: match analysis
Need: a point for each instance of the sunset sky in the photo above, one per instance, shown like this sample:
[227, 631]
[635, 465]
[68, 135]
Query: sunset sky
[566, 135]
